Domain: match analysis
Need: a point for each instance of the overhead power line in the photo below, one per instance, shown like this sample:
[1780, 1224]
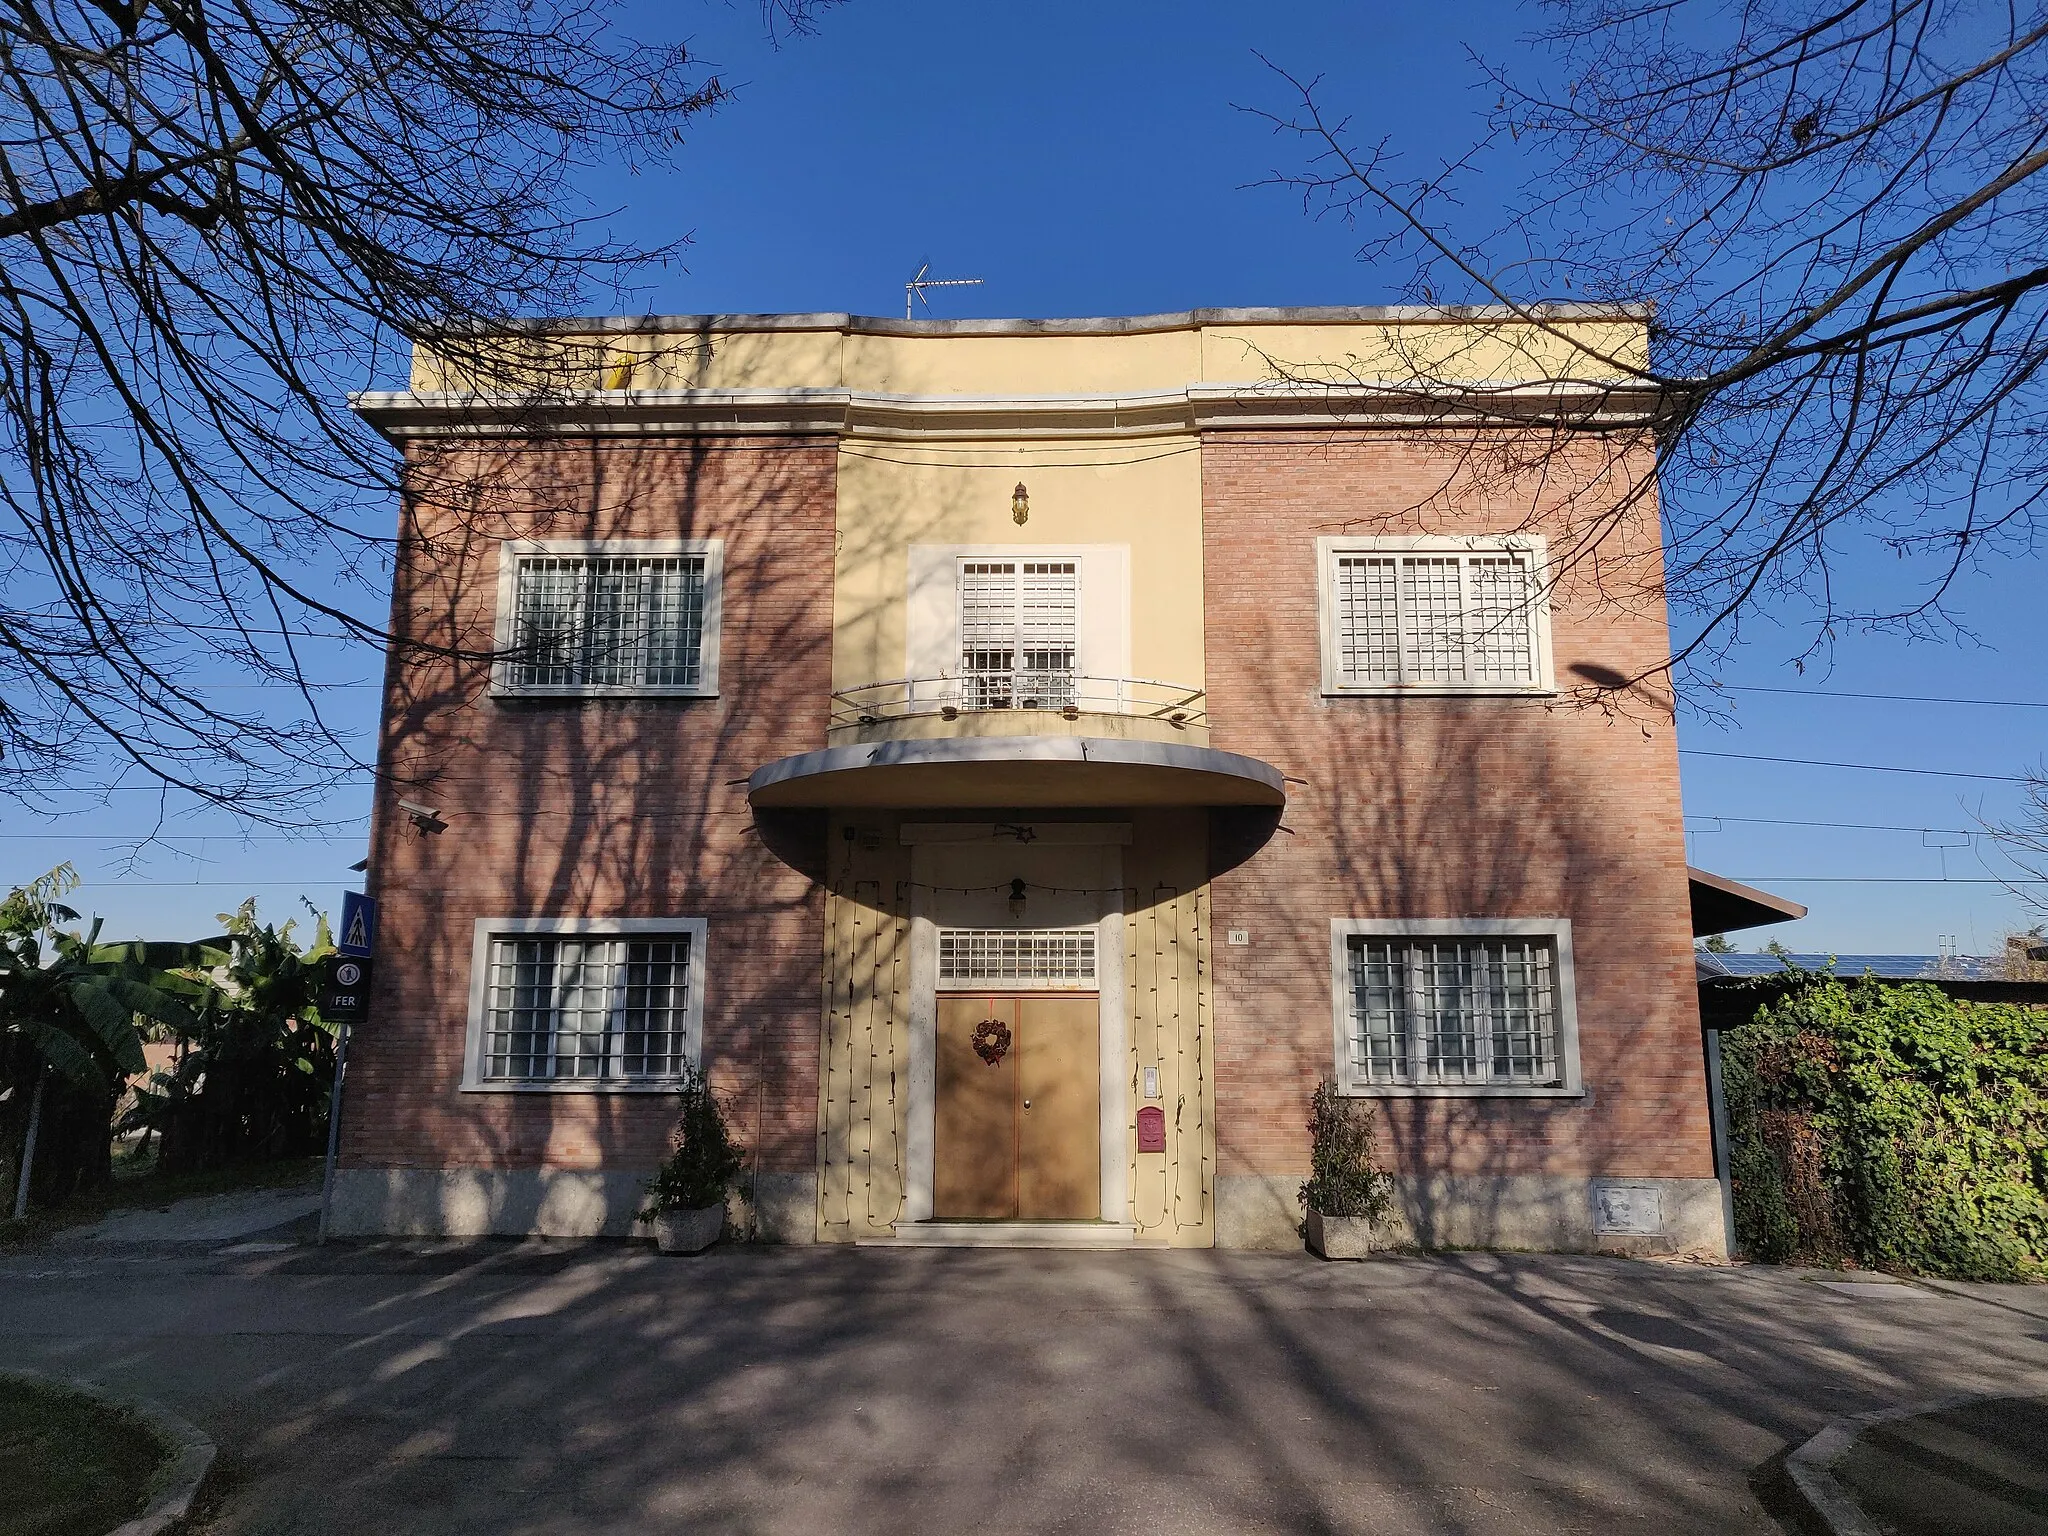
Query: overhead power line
[1847, 826]
[194, 885]
[1821, 762]
[1891, 880]
[1889, 698]
[130, 839]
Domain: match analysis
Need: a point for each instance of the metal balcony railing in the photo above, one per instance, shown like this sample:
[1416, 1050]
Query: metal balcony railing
[1065, 693]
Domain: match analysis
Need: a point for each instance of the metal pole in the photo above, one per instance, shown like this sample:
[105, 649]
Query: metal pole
[28, 1145]
[333, 1127]
[1717, 1106]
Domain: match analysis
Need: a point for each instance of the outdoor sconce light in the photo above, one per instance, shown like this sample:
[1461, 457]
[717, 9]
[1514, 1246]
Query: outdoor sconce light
[1020, 505]
[1017, 898]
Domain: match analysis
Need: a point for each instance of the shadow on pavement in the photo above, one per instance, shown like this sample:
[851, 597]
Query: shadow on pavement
[534, 1387]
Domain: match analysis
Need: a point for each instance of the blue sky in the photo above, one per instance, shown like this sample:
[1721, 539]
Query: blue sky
[1093, 159]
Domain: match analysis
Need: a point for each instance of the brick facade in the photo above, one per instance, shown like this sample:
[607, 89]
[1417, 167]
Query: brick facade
[1447, 807]
[1414, 807]
[582, 808]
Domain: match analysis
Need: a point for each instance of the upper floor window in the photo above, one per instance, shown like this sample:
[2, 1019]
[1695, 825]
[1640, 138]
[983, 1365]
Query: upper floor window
[1472, 1006]
[633, 616]
[1434, 615]
[593, 1003]
[1020, 633]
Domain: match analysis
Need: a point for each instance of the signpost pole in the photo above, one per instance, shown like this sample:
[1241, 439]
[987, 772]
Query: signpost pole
[333, 1127]
[346, 1001]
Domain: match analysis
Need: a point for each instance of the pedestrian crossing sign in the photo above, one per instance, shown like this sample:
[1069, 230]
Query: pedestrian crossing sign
[358, 925]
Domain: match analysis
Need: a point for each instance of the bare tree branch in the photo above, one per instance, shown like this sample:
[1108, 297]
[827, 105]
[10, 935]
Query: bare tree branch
[1837, 214]
[217, 218]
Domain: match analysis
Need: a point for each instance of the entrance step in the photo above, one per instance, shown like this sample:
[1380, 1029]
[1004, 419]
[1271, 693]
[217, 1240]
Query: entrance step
[1012, 1234]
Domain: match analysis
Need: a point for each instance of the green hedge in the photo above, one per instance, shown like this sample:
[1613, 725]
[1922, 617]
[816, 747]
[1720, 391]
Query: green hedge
[1893, 1126]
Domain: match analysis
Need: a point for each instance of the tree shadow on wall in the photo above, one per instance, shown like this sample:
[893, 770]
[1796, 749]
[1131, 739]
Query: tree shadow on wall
[1417, 808]
[589, 807]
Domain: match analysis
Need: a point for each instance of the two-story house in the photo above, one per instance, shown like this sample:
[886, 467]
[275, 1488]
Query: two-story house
[1018, 760]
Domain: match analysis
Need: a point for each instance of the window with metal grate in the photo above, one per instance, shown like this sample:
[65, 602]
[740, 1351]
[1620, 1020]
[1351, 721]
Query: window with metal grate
[1454, 1011]
[608, 623]
[587, 1009]
[1434, 619]
[1006, 958]
[1019, 633]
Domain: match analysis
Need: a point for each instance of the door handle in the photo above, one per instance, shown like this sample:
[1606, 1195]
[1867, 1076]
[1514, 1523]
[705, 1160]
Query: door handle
[1027, 1103]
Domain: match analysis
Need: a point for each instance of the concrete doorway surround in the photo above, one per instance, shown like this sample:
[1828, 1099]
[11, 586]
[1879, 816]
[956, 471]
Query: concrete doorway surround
[963, 878]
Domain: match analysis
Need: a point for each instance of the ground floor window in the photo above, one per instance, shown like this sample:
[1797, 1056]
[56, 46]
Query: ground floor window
[1483, 1005]
[596, 1003]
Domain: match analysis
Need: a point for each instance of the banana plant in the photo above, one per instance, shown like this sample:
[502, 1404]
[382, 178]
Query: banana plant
[71, 1000]
[254, 1077]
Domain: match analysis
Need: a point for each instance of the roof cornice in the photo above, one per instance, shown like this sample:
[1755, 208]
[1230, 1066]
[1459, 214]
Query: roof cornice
[1109, 325]
[838, 412]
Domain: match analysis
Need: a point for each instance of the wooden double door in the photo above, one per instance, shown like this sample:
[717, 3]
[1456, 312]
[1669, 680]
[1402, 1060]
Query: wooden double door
[1018, 1137]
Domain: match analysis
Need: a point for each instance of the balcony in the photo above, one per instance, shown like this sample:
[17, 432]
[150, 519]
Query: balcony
[1017, 737]
[1019, 702]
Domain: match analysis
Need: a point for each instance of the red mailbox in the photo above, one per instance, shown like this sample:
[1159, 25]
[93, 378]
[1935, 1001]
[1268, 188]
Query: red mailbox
[1151, 1129]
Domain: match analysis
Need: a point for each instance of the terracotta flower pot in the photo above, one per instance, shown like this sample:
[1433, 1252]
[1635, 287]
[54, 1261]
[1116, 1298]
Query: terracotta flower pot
[1343, 1237]
[688, 1231]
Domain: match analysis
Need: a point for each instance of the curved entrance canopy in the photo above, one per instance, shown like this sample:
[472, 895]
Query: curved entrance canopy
[1021, 771]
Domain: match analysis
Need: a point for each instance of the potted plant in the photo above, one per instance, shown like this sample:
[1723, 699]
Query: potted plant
[1349, 1198]
[686, 1197]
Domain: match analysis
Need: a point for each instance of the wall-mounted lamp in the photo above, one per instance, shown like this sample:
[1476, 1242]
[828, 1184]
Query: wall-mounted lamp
[1017, 898]
[1020, 505]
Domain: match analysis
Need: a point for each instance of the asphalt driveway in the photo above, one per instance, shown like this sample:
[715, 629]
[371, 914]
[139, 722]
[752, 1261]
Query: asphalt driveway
[527, 1388]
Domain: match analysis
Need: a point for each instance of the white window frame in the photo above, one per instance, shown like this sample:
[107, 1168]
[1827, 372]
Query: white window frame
[1556, 929]
[1534, 546]
[931, 638]
[512, 551]
[1062, 686]
[492, 928]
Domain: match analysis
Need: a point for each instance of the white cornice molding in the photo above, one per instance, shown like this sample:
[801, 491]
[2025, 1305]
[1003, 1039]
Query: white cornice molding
[402, 415]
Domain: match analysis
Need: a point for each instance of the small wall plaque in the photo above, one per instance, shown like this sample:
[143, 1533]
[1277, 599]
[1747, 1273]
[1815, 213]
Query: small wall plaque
[1627, 1210]
[1151, 1129]
[1240, 937]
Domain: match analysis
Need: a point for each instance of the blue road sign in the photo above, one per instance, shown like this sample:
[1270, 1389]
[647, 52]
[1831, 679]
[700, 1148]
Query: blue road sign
[358, 934]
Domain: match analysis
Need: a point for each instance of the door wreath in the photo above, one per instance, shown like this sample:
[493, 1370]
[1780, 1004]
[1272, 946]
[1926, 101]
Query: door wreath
[991, 1040]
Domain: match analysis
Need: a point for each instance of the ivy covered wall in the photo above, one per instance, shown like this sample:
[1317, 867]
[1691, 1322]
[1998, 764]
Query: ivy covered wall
[1893, 1127]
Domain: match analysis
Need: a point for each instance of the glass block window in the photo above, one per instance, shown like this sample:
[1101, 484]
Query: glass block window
[603, 622]
[1443, 619]
[1454, 1012]
[1008, 958]
[1019, 633]
[587, 1009]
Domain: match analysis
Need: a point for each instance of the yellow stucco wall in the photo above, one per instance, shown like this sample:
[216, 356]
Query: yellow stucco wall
[1145, 495]
[864, 1038]
[1166, 979]
[1408, 353]
[835, 356]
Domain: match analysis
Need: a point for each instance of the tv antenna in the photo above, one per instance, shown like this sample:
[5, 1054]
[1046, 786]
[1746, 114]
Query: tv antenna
[913, 291]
